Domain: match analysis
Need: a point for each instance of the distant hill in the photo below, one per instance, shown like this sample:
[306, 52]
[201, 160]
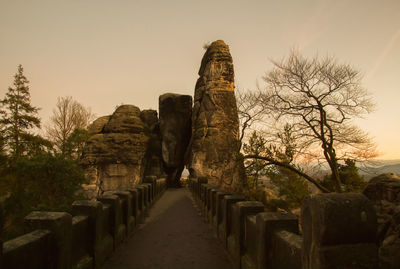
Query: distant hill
[368, 169]
[388, 167]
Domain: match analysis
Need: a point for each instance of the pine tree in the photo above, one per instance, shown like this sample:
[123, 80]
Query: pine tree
[18, 116]
[2, 149]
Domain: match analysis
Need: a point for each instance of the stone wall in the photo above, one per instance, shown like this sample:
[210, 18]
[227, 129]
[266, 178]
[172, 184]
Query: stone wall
[85, 238]
[338, 230]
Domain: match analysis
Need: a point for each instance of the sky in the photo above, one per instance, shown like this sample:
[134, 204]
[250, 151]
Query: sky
[105, 53]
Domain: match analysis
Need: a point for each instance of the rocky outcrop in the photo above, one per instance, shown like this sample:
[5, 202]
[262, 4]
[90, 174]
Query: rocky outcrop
[215, 126]
[384, 192]
[97, 126]
[175, 125]
[114, 158]
[153, 159]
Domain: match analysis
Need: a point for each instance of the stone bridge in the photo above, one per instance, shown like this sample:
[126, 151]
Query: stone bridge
[150, 226]
[135, 159]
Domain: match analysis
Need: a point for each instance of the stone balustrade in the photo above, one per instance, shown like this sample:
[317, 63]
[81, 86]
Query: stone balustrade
[338, 230]
[85, 238]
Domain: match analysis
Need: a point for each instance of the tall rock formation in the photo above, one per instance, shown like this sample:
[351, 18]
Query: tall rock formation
[215, 124]
[153, 157]
[175, 125]
[116, 155]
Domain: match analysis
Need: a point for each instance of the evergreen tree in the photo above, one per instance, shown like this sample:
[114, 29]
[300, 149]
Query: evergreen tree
[292, 188]
[351, 179]
[3, 156]
[255, 168]
[75, 143]
[18, 116]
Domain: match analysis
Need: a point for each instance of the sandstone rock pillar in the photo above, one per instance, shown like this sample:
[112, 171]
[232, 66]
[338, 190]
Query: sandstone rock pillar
[175, 126]
[215, 125]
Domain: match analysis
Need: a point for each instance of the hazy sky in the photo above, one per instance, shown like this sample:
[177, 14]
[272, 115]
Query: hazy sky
[105, 53]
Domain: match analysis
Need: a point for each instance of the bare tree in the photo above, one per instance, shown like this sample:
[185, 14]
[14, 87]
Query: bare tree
[319, 98]
[249, 112]
[68, 116]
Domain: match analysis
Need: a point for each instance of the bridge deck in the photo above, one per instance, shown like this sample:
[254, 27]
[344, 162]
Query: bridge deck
[174, 235]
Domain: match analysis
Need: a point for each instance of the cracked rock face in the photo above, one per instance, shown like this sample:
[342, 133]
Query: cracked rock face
[384, 192]
[115, 155]
[214, 143]
[175, 125]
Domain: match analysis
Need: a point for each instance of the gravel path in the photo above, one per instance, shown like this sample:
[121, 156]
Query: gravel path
[174, 235]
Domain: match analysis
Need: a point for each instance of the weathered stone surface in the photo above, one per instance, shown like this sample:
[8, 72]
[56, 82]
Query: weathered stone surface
[335, 225]
[175, 126]
[215, 125]
[60, 224]
[153, 160]
[115, 158]
[125, 119]
[97, 126]
[384, 192]
[150, 119]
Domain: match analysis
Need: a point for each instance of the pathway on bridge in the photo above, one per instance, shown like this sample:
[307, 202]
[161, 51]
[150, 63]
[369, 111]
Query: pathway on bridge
[174, 235]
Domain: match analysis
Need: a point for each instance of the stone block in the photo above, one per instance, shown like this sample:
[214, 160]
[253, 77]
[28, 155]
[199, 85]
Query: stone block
[207, 208]
[224, 228]
[127, 212]
[354, 256]
[141, 199]
[149, 193]
[60, 224]
[218, 209]
[81, 255]
[212, 206]
[201, 181]
[34, 250]
[135, 204]
[203, 197]
[118, 228]
[252, 238]
[338, 219]
[153, 181]
[203, 194]
[235, 240]
[100, 240]
[286, 250]
[260, 231]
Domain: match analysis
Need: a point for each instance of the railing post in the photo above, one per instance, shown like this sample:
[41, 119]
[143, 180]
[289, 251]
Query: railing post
[129, 218]
[339, 231]
[218, 209]
[225, 227]
[235, 241]
[117, 226]
[259, 236]
[135, 205]
[153, 181]
[142, 199]
[60, 224]
[101, 242]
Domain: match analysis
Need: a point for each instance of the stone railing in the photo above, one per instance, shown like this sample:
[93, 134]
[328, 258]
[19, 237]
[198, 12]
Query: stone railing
[338, 230]
[86, 238]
